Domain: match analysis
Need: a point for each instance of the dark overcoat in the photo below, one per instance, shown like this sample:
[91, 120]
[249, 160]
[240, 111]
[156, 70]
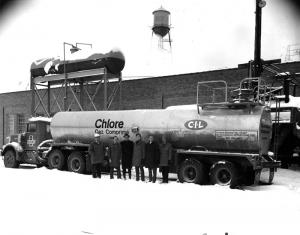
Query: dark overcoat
[138, 153]
[97, 152]
[165, 154]
[115, 155]
[127, 152]
[151, 155]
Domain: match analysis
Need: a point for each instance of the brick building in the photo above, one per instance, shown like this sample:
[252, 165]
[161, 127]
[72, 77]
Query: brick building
[147, 93]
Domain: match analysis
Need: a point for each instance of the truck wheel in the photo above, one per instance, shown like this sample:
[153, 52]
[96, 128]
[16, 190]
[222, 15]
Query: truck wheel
[76, 163]
[56, 160]
[10, 159]
[191, 171]
[223, 173]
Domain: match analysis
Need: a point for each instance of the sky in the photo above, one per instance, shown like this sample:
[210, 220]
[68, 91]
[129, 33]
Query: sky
[206, 35]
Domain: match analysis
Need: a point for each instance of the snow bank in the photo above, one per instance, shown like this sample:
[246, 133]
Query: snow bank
[36, 119]
[41, 201]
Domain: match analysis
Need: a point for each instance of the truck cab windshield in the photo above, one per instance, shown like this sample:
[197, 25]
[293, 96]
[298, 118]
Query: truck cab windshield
[31, 127]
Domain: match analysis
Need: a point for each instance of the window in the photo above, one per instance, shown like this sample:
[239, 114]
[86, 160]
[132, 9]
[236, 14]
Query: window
[11, 124]
[31, 127]
[21, 123]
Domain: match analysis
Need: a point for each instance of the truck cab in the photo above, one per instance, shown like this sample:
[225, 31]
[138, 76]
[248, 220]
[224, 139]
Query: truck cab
[286, 131]
[26, 147]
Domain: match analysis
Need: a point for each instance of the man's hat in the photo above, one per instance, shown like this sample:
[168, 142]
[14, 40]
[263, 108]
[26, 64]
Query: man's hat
[96, 135]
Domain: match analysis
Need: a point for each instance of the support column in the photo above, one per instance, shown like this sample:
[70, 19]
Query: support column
[3, 125]
[81, 94]
[32, 88]
[105, 90]
[49, 99]
[120, 93]
[257, 42]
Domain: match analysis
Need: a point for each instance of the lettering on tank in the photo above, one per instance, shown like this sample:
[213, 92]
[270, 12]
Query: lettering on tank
[195, 124]
[237, 135]
[109, 127]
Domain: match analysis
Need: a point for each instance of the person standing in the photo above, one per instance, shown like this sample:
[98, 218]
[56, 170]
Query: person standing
[96, 152]
[165, 158]
[152, 158]
[115, 155]
[127, 151]
[138, 157]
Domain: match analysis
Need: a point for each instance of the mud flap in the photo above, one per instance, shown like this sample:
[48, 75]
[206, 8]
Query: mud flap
[257, 177]
[271, 175]
[18, 156]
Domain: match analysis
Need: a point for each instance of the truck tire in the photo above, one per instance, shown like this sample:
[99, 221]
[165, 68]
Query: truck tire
[10, 159]
[56, 159]
[76, 163]
[192, 171]
[223, 173]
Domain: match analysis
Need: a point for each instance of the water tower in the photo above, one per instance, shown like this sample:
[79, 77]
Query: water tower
[161, 26]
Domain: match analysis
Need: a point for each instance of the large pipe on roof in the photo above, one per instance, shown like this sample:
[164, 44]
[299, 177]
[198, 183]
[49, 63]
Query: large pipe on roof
[113, 61]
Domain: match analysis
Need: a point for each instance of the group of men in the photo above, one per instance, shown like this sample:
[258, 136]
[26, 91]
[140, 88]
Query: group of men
[128, 154]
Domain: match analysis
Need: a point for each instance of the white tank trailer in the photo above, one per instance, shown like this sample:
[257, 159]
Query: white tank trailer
[223, 143]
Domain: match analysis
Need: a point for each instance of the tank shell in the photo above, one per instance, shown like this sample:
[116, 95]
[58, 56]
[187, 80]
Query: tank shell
[246, 130]
[161, 24]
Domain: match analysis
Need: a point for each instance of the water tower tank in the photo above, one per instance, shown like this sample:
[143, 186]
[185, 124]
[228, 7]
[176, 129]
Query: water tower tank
[161, 25]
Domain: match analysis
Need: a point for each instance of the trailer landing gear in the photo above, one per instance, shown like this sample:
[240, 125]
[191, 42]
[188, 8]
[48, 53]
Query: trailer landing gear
[265, 176]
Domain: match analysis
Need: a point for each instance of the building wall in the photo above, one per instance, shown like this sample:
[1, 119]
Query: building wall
[148, 93]
[16, 103]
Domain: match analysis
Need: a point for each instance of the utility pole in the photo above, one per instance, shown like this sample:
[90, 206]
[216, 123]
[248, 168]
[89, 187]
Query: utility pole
[257, 63]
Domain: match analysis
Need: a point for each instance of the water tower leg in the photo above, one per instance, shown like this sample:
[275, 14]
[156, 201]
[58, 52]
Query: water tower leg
[120, 93]
[105, 90]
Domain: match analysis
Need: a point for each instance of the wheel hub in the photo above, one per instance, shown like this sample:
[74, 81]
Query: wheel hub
[224, 176]
[55, 161]
[190, 174]
[75, 165]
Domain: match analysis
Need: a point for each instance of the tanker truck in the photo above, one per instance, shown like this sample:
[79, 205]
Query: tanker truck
[224, 143]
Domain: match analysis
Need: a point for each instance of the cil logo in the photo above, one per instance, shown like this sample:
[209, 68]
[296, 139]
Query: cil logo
[195, 124]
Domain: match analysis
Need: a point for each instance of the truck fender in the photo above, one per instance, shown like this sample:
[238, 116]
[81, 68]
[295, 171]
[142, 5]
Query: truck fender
[219, 162]
[16, 147]
[45, 154]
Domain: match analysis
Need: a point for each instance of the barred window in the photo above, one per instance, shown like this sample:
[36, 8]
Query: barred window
[11, 124]
[21, 125]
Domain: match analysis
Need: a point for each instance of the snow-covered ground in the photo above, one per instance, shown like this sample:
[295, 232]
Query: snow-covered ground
[42, 201]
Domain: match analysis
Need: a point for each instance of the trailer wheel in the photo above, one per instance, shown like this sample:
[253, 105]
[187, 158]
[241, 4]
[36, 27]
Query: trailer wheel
[223, 173]
[76, 163]
[10, 159]
[56, 159]
[191, 171]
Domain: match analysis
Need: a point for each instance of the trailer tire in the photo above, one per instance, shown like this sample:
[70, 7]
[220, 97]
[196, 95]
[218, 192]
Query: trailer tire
[223, 173]
[10, 159]
[76, 163]
[56, 159]
[192, 171]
